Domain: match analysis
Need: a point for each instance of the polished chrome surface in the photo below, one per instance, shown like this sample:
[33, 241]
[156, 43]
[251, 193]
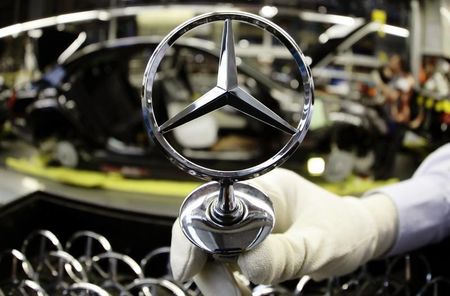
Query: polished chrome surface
[45, 236]
[90, 238]
[168, 287]
[67, 264]
[86, 289]
[41, 241]
[202, 230]
[224, 217]
[19, 263]
[227, 74]
[120, 274]
[33, 286]
[227, 92]
[162, 251]
[112, 259]
[111, 279]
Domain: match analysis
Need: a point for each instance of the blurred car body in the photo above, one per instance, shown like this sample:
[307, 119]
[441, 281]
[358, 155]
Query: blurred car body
[87, 110]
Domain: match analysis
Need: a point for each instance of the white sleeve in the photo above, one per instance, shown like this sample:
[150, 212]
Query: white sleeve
[423, 203]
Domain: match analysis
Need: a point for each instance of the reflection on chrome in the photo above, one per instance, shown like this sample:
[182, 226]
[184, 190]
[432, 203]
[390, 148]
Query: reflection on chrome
[224, 217]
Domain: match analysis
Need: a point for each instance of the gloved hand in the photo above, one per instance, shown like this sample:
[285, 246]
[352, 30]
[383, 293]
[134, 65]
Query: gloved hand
[316, 233]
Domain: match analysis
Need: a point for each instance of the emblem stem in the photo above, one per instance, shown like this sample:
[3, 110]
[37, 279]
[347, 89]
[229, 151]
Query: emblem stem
[227, 209]
[227, 201]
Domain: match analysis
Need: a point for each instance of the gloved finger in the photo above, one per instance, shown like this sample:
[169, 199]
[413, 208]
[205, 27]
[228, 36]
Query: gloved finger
[280, 257]
[291, 187]
[273, 185]
[217, 279]
[186, 259]
[290, 194]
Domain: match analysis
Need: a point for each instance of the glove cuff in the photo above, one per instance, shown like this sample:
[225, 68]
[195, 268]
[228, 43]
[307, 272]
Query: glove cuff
[385, 215]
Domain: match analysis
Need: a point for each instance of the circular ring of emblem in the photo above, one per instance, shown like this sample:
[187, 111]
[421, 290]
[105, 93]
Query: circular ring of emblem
[228, 92]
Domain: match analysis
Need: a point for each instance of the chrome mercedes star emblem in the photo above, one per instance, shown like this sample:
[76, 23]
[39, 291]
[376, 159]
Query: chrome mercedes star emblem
[228, 92]
[212, 215]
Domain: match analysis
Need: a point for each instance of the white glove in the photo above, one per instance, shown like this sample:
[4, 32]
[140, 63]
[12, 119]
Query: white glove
[212, 278]
[316, 233]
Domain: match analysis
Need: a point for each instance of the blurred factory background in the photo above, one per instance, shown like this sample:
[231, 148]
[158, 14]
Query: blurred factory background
[71, 124]
[47, 49]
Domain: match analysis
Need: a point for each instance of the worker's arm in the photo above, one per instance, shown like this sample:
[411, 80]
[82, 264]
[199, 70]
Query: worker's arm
[422, 203]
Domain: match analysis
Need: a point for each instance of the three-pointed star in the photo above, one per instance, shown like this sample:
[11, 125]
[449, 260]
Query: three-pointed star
[227, 92]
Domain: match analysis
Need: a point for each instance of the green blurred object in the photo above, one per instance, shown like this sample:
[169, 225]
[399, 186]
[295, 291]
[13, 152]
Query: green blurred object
[37, 166]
